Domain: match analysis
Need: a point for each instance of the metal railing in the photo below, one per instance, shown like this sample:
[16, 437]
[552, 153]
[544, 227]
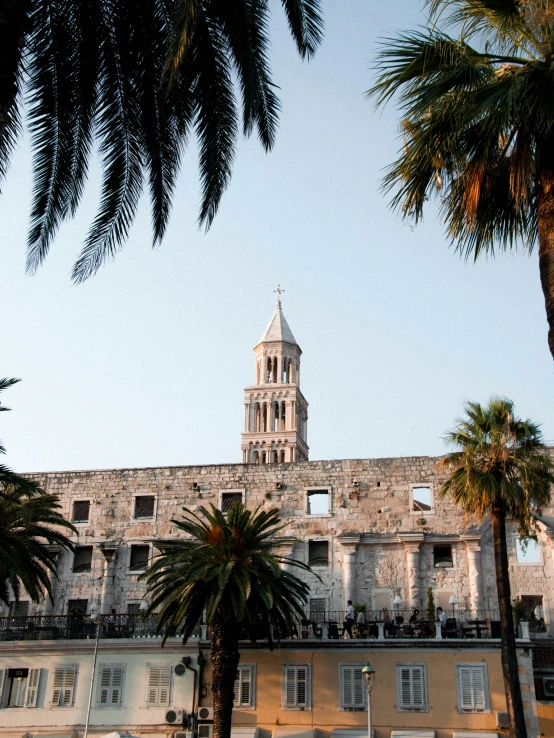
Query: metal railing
[66, 627]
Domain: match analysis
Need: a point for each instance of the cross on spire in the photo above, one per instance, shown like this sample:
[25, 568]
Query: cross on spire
[279, 290]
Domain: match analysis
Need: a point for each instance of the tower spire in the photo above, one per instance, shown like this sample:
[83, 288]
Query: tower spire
[276, 412]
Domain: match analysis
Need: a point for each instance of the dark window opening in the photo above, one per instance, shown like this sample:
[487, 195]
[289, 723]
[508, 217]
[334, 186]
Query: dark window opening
[144, 507]
[442, 556]
[228, 499]
[317, 609]
[534, 613]
[318, 553]
[421, 499]
[81, 511]
[82, 560]
[77, 607]
[318, 502]
[20, 608]
[133, 608]
[139, 558]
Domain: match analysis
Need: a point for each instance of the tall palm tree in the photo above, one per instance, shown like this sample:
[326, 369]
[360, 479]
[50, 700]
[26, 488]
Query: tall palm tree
[136, 78]
[478, 126]
[7, 476]
[501, 468]
[31, 531]
[226, 569]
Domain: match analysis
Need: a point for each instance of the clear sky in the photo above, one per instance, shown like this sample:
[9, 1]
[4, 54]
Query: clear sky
[144, 365]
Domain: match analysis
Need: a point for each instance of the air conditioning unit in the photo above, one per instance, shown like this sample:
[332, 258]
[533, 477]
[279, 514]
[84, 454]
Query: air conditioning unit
[502, 719]
[206, 713]
[174, 716]
[205, 730]
[182, 734]
[548, 686]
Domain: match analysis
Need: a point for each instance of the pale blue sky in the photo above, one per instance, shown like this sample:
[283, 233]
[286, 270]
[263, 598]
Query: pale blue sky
[144, 365]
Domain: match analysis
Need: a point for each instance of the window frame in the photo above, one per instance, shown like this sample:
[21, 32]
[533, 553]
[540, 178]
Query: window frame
[142, 545]
[319, 488]
[517, 543]
[400, 707]
[343, 707]
[81, 499]
[134, 506]
[223, 492]
[64, 668]
[319, 540]
[452, 556]
[109, 704]
[296, 665]
[420, 513]
[482, 666]
[84, 571]
[251, 667]
[29, 696]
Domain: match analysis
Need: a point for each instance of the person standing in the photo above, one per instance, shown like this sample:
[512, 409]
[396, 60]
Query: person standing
[360, 623]
[441, 616]
[349, 618]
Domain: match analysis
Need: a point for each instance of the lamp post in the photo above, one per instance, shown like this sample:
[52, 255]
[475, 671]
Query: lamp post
[369, 672]
[97, 620]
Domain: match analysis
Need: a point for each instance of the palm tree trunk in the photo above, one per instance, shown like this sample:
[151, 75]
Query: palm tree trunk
[509, 656]
[545, 221]
[225, 659]
[14, 23]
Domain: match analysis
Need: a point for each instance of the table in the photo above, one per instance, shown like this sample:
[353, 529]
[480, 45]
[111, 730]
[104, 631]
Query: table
[477, 626]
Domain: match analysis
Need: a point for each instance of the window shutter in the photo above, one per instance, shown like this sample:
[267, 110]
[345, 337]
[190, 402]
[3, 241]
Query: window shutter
[290, 686]
[32, 687]
[68, 686]
[479, 700]
[2, 675]
[405, 686]
[153, 679]
[64, 686]
[22, 688]
[347, 687]
[236, 691]
[466, 697]
[104, 684]
[57, 687]
[302, 686]
[418, 699]
[243, 687]
[117, 686]
[165, 686]
[359, 691]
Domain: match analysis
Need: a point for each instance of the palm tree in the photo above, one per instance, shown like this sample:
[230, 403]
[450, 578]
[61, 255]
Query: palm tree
[7, 476]
[31, 532]
[478, 127]
[136, 79]
[225, 569]
[501, 468]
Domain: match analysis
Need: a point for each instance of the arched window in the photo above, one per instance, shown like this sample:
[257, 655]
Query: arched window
[256, 457]
[269, 366]
[275, 369]
[274, 457]
[282, 457]
[258, 418]
[264, 418]
[283, 416]
[289, 372]
[263, 457]
[275, 416]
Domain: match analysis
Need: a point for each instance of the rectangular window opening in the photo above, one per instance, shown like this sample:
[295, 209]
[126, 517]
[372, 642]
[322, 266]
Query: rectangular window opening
[81, 511]
[442, 556]
[228, 499]
[353, 688]
[296, 686]
[20, 687]
[318, 502]
[527, 551]
[65, 678]
[19, 609]
[82, 559]
[317, 609]
[411, 687]
[244, 686]
[110, 685]
[139, 558]
[422, 499]
[472, 687]
[144, 507]
[159, 686]
[77, 607]
[318, 553]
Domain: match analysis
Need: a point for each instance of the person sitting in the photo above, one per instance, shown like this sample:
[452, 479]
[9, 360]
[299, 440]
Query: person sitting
[414, 622]
[361, 623]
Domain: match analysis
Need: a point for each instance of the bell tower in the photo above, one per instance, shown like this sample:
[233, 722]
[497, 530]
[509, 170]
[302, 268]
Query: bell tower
[275, 410]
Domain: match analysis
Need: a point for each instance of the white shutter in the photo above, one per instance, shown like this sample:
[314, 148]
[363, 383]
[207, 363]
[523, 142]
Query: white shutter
[290, 686]
[347, 686]
[359, 691]
[117, 685]
[32, 687]
[479, 697]
[353, 687]
[20, 685]
[405, 687]
[302, 686]
[466, 697]
[411, 687]
[104, 684]
[472, 687]
[159, 686]
[243, 687]
[64, 686]
[418, 697]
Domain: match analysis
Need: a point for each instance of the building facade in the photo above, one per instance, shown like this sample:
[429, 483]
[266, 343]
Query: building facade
[374, 531]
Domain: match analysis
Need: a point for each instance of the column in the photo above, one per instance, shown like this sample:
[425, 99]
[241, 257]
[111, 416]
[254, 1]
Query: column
[349, 549]
[53, 579]
[474, 570]
[412, 574]
[109, 550]
[285, 548]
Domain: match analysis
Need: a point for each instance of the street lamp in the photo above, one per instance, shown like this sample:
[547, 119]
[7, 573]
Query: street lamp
[453, 600]
[369, 672]
[97, 620]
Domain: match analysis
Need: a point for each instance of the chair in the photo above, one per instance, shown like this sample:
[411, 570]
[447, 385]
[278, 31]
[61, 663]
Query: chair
[450, 629]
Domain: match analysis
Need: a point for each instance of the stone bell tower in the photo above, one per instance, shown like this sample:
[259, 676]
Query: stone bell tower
[275, 410]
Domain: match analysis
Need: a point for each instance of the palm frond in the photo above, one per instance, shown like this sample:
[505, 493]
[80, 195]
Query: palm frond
[306, 24]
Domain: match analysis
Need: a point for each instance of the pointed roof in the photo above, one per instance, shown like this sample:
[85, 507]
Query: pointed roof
[278, 328]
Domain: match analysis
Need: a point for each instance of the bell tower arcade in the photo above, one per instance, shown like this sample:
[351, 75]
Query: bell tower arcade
[275, 410]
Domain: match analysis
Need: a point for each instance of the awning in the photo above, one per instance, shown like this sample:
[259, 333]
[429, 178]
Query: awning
[299, 732]
[407, 733]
